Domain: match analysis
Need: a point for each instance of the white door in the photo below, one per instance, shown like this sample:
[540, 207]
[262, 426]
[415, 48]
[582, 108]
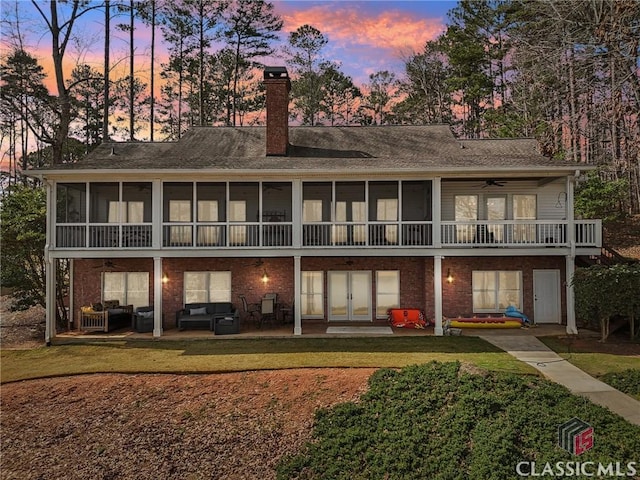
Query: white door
[349, 296]
[546, 296]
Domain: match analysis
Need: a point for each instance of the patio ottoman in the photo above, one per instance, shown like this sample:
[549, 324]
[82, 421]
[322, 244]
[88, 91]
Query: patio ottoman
[227, 325]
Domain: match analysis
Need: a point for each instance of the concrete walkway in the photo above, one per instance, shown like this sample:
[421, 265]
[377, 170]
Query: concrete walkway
[530, 350]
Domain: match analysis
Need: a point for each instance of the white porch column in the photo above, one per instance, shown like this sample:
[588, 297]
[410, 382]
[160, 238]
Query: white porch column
[157, 296]
[571, 307]
[437, 294]
[156, 215]
[297, 288]
[570, 259]
[436, 212]
[296, 213]
[50, 271]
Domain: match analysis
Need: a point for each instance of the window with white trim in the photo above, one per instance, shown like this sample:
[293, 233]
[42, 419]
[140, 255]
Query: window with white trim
[312, 294]
[494, 291]
[387, 291]
[129, 288]
[205, 287]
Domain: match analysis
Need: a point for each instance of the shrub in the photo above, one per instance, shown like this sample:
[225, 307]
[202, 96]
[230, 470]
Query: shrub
[435, 421]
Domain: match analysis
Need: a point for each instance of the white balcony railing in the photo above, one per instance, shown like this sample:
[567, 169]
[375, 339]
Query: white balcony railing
[398, 234]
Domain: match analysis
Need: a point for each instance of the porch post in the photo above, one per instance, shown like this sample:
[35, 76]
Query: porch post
[296, 213]
[297, 287]
[437, 287]
[157, 296]
[570, 259]
[50, 271]
[156, 215]
[436, 210]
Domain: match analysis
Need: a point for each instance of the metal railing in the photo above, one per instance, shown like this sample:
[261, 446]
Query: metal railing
[502, 233]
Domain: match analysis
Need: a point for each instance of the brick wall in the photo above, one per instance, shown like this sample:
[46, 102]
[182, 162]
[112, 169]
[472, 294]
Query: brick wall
[416, 278]
[458, 297]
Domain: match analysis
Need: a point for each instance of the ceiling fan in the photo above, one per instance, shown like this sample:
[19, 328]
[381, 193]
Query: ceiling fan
[258, 263]
[491, 182]
[106, 264]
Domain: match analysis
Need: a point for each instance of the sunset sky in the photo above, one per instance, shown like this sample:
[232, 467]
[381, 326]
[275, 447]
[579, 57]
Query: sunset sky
[365, 36]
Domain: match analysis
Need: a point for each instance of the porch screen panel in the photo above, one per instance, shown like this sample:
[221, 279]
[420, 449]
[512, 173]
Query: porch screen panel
[524, 208]
[71, 203]
[387, 211]
[466, 210]
[387, 291]
[180, 211]
[177, 208]
[211, 204]
[496, 210]
[103, 202]
[208, 212]
[359, 214]
[312, 294]
[238, 213]
[137, 201]
[219, 287]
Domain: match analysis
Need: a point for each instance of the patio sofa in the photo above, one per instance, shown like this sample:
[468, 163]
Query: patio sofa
[206, 315]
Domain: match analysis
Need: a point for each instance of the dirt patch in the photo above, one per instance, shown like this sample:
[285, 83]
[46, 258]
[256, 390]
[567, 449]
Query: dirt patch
[223, 426]
[20, 329]
[617, 344]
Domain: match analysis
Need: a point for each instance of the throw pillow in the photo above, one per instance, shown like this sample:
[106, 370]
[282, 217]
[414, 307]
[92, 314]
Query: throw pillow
[148, 314]
[97, 307]
[198, 311]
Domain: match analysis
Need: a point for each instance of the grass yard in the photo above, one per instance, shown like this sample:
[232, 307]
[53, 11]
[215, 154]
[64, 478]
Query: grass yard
[230, 355]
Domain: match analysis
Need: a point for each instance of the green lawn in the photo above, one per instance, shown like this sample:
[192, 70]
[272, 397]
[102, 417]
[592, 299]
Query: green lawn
[595, 364]
[229, 355]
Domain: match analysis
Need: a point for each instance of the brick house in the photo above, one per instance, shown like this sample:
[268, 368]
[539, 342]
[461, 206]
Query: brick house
[341, 222]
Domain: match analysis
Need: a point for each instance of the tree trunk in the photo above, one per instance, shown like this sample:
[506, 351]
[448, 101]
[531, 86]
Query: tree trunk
[153, 59]
[131, 79]
[107, 38]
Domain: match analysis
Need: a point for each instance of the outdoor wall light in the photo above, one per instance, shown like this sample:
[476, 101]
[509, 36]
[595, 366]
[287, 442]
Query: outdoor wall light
[165, 279]
[449, 276]
[265, 277]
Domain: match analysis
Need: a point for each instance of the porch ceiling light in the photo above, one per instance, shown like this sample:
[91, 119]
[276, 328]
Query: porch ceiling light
[449, 276]
[265, 277]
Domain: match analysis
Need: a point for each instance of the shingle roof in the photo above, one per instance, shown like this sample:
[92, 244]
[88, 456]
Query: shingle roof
[386, 148]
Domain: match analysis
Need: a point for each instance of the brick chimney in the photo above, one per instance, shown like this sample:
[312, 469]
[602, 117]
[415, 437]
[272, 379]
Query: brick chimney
[276, 80]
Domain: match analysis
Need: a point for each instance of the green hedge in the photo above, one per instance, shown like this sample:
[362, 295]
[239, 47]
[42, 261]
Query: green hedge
[436, 421]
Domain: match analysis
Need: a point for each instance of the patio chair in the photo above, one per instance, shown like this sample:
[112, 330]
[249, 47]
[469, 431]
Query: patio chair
[251, 310]
[267, 311]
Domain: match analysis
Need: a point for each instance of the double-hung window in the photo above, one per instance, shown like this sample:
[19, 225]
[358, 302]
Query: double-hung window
[494, 291]
[129, 288]
[205, 287]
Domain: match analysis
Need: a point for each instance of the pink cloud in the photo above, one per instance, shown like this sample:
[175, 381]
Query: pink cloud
[390, 30]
